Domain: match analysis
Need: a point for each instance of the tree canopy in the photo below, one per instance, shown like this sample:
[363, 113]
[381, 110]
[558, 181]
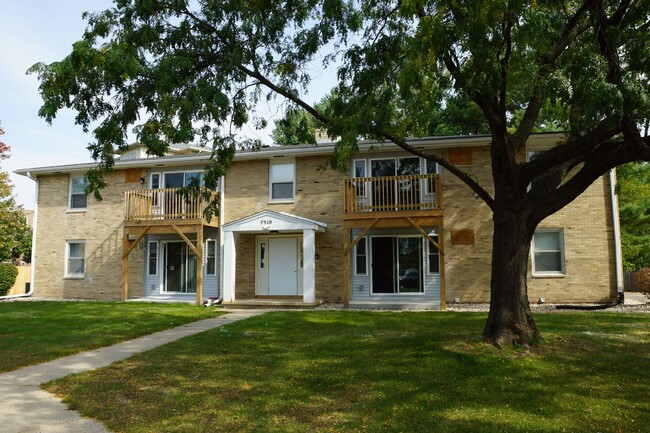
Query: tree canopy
[634, 208]
[15, 234]
[183, 71]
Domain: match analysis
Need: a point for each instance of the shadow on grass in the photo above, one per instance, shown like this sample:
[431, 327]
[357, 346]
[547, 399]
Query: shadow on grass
[375, 372]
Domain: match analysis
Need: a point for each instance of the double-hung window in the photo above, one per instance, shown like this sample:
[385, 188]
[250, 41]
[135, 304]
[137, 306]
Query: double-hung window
[361, 258]
[75, 259]
[548, 252]
[434, 257]
[282, 181]
[152, 261]
[211, 257]
[78, 199]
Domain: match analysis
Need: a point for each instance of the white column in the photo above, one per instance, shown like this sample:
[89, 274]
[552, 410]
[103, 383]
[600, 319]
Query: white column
[229, 268]
[309, 266]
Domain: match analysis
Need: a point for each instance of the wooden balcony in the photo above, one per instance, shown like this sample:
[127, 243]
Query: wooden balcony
[395, 198]
[165, 206]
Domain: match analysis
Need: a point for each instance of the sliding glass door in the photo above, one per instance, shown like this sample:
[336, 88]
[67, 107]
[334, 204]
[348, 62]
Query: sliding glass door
[180, 268]
[397, 264]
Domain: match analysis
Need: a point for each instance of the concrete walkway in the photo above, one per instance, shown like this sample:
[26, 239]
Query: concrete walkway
[26, 408]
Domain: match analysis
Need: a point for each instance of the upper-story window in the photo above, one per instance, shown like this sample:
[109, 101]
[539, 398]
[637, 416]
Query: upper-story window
[177, 179]
[78, 199]
[282, 181]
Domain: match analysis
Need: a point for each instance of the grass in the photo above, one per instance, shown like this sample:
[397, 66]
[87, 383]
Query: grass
[34, 332]
[326, 371]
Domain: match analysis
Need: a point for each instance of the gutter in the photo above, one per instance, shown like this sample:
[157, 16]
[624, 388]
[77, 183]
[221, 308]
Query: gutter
[32, 264]
[617, 231]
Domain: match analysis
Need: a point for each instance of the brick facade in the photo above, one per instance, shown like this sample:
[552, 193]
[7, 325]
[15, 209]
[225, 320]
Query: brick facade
[100, 225]
[319, 197]
[587, 228]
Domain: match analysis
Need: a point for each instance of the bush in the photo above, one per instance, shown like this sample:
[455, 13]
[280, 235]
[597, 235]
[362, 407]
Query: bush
[8, 273]
[642, 280]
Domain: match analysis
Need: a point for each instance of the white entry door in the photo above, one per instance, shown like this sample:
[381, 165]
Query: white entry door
[277, 266]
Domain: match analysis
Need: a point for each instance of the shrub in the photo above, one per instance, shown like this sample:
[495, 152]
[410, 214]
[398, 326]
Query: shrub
[642, 280]
[8, 273]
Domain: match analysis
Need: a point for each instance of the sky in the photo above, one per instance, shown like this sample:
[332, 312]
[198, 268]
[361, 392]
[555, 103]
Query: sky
[34, 31]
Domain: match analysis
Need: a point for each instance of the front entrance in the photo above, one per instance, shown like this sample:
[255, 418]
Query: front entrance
[179, 268]
[397, 264]
[278, 266]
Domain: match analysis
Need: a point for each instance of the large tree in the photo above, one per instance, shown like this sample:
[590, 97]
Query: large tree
[634, 207]
[15, 234]
[184, 71]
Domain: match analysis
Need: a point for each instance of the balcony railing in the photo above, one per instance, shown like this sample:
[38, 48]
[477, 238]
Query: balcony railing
[163, 204]
[393, 193]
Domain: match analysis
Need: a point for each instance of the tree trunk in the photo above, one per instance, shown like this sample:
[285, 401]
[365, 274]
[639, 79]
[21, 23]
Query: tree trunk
[510, 320]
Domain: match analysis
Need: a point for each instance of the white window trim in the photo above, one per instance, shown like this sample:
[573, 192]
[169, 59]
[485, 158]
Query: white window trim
[356, 256]
[216, 245]
[549, 274]
[70, 208]
[293, 195]
[67, 258]
[155, 274]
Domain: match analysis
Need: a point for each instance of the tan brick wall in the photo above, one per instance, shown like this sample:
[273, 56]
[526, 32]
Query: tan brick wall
[100, 226]
[319, 197]
[588, 240]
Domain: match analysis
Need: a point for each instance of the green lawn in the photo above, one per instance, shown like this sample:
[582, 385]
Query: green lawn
[328, 371]
[34, 332]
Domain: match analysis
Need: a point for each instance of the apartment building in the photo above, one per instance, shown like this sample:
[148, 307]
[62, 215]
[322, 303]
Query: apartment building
[392, 231]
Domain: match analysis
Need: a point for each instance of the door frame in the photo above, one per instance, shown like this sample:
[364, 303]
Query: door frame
[423, 265]
[163, 270]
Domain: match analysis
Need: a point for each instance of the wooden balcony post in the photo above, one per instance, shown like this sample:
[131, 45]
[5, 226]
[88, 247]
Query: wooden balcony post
[199, 265]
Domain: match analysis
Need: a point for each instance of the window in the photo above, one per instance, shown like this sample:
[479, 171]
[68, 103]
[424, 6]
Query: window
[281, 180]
[361, 258]
[548, 252]
[76, 252]
[360, 171]
[211, 257]
[434, 256]
[78, 197]
[152, 261]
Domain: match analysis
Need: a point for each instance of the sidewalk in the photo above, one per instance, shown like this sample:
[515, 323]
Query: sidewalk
[26, 408]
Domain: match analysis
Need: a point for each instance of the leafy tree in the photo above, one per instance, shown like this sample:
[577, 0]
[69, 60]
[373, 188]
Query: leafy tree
[15, 234]
[634, 208]
[298, 126]
[196, 70]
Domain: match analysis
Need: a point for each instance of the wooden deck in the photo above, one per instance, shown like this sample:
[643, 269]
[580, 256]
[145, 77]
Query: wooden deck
[166, 206]
[166, 211]
[392, 200]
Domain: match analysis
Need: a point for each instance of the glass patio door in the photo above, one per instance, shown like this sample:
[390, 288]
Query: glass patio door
[180, 268]
[397, 265]
[394, 193]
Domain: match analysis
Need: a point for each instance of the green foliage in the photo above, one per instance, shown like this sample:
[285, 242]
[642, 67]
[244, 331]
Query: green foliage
[15, 234]
[634, 210]
[184, 71]
[8, 273]
[298, 126]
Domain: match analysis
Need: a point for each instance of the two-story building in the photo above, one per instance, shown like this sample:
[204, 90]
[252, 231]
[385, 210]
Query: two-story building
[392, 231]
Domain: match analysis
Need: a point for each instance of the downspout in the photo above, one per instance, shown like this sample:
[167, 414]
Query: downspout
[32, 264]
[617, 232]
